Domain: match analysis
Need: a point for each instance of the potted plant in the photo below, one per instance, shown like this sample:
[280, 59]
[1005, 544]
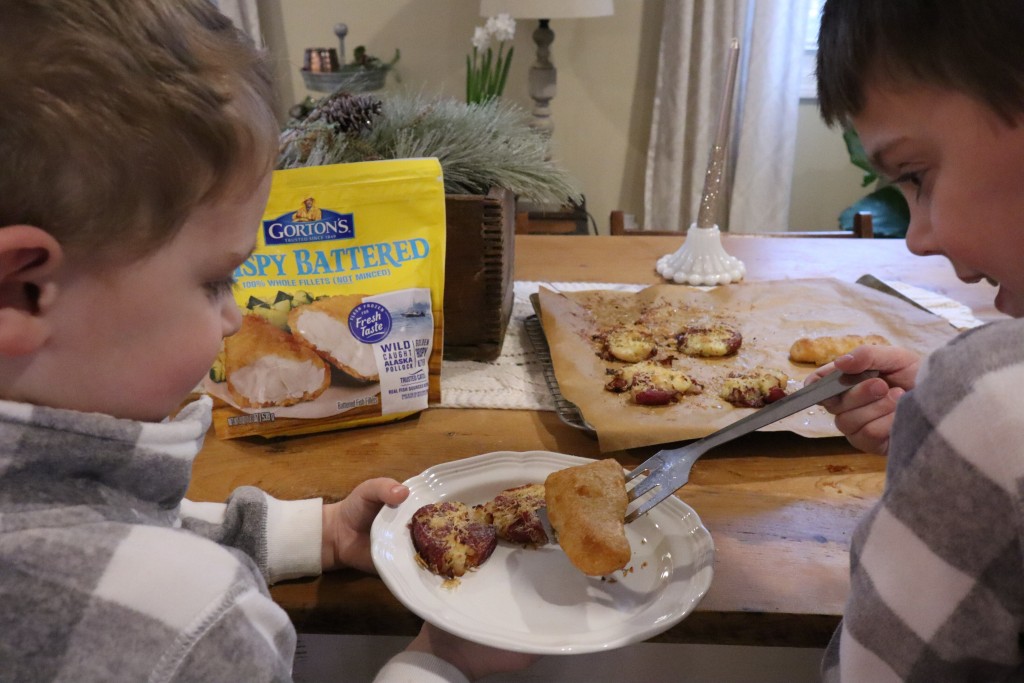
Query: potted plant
[325, 69]
[486, 72]
[890, 214]
[490, 156]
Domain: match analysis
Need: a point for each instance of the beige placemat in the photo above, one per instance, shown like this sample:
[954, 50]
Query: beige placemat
[515, 380]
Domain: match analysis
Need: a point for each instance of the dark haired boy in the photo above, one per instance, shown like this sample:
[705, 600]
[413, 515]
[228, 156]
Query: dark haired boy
[936, 92]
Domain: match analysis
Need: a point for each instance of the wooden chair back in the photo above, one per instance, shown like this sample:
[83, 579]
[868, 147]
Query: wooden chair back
[862, 228]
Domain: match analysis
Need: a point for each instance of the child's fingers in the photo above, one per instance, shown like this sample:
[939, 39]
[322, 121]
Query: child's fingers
[868, 424]
[859, 360]
[885, 359]
[382, 490]
[873, 437]
[854, 416]
[347, 523]
[360, 507]
[819, 373]
[867, 392]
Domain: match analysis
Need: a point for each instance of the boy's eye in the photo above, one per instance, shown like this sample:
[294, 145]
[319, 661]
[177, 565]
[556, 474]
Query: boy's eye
[913, 178]
[219, 288]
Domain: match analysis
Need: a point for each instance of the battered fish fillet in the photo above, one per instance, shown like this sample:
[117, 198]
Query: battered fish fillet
[586, 507]
[264, 366]
[825, 349]
[323, 327]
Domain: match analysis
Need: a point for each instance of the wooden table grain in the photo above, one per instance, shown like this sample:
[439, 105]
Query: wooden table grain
[779, 507]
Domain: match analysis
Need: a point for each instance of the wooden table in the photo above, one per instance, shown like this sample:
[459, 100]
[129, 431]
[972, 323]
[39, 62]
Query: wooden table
[780, 507]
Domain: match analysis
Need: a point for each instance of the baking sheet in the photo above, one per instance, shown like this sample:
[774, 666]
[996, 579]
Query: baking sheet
[770, 315]
[566, 411]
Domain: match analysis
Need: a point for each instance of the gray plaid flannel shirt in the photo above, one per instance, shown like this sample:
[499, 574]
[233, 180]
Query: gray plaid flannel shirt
[98, 582]
[937, 575]
[108, 574]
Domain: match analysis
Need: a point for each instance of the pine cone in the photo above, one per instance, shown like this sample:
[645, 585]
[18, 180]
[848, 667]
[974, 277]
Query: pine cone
[348, 112]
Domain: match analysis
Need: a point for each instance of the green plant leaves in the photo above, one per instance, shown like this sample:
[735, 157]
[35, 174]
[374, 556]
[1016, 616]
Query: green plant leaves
[858, 156]
[486, 74]
[890, 214]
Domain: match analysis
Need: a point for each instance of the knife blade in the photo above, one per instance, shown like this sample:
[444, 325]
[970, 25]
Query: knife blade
[874, 283]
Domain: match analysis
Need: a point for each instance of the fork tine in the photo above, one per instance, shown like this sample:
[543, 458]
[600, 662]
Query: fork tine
[649, 465]
[671, 475]
[643, 486]
[646, 505]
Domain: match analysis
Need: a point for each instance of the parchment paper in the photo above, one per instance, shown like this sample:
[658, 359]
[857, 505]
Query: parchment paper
[770, 315]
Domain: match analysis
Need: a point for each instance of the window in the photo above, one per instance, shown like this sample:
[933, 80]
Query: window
[808, 85]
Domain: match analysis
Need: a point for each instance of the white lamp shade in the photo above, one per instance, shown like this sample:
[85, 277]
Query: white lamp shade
[546, 9]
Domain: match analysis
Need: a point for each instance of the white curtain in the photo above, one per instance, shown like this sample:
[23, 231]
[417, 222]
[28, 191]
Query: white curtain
[245, 16]
[691, 73]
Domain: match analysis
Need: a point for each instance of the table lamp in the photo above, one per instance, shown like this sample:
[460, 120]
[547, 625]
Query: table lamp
[543, 75]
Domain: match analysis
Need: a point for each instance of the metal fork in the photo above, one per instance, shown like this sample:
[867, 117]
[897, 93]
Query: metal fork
[668, 470]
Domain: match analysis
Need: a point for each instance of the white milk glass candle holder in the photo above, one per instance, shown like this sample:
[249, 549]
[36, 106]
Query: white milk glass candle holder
[702, 260]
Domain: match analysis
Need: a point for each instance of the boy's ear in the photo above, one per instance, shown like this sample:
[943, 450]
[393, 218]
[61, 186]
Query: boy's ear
[29, 257]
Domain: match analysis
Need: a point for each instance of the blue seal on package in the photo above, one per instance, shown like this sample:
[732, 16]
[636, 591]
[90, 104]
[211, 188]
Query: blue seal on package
[369, 322]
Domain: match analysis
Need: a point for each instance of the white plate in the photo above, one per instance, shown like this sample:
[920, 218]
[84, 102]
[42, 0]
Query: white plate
[534, 600]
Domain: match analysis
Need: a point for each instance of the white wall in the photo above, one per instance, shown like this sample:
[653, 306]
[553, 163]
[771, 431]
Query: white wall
[824, 180]
[601, 112]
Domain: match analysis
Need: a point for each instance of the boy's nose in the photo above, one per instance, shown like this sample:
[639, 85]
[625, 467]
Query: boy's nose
[231, 317]
[919, 235]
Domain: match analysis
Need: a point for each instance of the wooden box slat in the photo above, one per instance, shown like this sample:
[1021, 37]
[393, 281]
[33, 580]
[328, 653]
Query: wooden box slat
[478, 292]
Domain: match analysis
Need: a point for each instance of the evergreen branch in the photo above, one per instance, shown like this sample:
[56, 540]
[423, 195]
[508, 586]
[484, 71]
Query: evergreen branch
[479, 146]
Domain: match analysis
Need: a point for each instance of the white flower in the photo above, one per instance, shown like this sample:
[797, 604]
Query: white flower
[481, 38]
[502, 27]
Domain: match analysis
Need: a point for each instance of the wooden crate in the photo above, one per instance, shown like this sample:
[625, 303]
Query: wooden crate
[478, 292]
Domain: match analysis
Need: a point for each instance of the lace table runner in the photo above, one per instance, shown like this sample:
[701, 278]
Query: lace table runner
[515, 380]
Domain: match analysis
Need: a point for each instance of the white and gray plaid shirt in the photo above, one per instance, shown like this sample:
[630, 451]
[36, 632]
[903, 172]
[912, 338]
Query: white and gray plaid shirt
[937, 567]
[107, 574]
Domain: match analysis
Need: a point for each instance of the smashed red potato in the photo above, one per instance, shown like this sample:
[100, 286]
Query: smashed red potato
[651, 383]
[754, 389]
[710, 341]
[450, 540]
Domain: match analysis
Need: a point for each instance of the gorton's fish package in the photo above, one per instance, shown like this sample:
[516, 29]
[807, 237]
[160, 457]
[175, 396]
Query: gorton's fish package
[341, 302]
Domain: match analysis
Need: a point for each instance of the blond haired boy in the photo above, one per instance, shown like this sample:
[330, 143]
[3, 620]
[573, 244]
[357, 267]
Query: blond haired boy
[136, 144]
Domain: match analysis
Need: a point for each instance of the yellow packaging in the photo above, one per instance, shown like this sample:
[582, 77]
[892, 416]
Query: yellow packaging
[341, 302]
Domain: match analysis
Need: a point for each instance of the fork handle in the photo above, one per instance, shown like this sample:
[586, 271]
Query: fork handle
[828, 386]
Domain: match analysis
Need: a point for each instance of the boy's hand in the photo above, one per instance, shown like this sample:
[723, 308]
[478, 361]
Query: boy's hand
[864, 414]
[474, 660]
[346, 528]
